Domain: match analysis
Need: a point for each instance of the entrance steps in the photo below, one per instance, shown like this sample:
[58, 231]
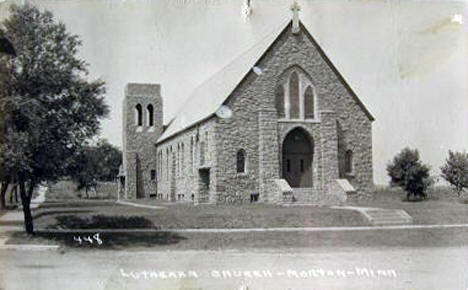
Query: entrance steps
[304, 195]
[388, 216]
[203, 199]
[314, 196]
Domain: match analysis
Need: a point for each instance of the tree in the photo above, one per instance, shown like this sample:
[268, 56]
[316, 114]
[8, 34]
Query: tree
[6, 51]
[408, 172]
[455, 170]
[95, 163]
[50, 107]
[111, 158]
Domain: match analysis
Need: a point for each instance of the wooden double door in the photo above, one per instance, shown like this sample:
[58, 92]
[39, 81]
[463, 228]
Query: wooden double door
[298, 153]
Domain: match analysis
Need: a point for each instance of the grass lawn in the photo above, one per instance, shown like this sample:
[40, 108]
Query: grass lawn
[407, 238]
[442, 205]
[177, 216]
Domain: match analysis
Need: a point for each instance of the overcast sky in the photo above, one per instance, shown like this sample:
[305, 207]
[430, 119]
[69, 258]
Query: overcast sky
[406, 60]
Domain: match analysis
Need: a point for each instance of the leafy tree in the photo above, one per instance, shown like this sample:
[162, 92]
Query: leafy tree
[6, 51]
[95, 163]
[408, 172]
[111, 158]
[50, 107]
[455, 170]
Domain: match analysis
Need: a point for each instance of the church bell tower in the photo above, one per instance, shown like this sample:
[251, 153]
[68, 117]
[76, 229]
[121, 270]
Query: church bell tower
[142, 126]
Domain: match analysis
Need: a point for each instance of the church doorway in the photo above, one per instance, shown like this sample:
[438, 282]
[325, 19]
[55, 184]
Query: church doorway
[298, 152]
[204, 185]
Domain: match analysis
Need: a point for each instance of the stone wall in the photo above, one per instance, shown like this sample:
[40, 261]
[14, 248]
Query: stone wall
[180, 159]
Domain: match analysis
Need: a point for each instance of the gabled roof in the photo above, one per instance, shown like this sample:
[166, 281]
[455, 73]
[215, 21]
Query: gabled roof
[210, 95]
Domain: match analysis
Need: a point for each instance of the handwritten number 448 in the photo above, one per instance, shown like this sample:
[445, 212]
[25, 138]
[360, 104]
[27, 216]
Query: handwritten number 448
[88, 239]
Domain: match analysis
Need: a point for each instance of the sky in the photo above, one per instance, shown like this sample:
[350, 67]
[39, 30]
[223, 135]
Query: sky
[406, 60]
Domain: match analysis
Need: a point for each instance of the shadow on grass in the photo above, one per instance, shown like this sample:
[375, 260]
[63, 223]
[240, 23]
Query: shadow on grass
[109, 241]
[62, 211]
[102, 222]
[78, 203]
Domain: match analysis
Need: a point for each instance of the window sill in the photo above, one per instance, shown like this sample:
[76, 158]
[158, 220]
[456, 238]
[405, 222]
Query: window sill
[242, 174]
[139, 129]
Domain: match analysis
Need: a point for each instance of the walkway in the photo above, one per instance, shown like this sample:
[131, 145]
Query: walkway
[247, 230]
[134, 204]
[13, 220]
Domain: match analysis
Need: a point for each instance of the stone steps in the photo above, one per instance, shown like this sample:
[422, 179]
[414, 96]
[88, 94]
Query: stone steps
[387, 216]
[303, 194]
[203, 199]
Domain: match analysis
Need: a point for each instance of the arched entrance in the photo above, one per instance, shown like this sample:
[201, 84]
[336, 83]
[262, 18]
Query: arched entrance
[298, 152]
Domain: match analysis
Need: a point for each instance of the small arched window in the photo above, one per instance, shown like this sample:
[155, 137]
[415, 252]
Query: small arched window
[150, 112]
[348, 161]
[240, 161]
[138, 115]
[309, 103]
[294, 96]
[279, 101]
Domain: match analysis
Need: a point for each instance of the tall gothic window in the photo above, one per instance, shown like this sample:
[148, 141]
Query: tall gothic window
[240, 161]
[348, 161]
[167, 163]
[182, 161]
[309, 103]
[150, 112]
[294, 96]
[138, 115]
[177, 163]
[279, 100]
[202, 152]
[191, 153]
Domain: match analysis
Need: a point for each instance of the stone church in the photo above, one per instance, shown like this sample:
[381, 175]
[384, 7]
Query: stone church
[278, 124]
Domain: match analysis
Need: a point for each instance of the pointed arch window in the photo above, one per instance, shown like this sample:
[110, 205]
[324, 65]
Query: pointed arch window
[150, 112]
[240, 161]
[309, 103]
[294, 107]
[182, 161]
[348, 161]
[202, 152]
[279, 101]
[192, 152]
[138, 115]
[295, 96]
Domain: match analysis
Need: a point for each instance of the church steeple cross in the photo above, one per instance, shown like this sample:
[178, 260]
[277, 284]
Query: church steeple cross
[295, 8]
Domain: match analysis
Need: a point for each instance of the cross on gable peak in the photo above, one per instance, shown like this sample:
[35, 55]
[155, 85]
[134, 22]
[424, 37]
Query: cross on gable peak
[295, 8]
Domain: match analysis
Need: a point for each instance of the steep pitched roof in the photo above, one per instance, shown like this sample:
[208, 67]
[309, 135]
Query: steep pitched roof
[210, 95]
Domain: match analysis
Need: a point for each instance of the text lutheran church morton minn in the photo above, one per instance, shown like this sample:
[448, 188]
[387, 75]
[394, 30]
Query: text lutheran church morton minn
[278, 124]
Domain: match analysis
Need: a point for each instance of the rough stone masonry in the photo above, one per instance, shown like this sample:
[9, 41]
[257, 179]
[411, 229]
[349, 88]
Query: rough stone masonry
[290, 116]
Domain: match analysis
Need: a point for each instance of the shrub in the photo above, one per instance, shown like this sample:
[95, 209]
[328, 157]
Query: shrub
[455, 170]
[408, 172]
